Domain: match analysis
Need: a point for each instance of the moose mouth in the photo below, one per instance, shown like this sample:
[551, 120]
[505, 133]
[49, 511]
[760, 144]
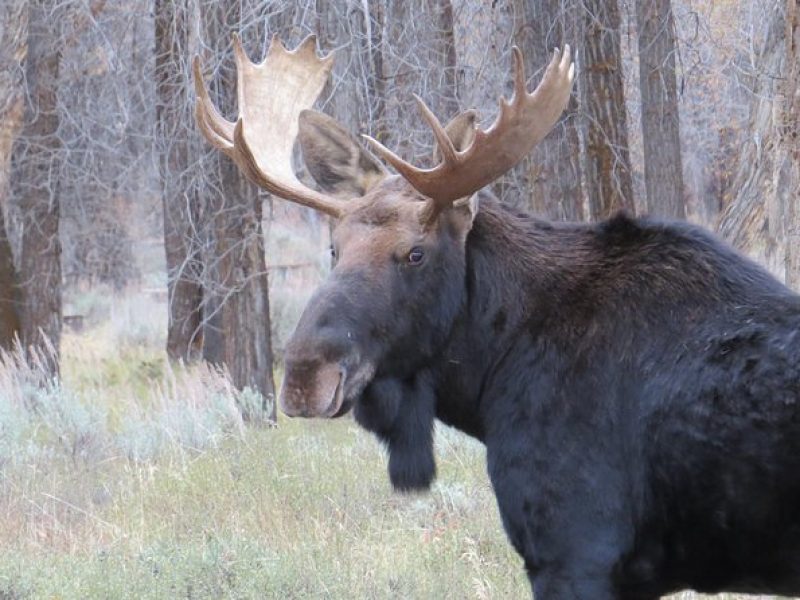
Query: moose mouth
[326, 391]
[337, 401]
[314, 391]
[342, 401]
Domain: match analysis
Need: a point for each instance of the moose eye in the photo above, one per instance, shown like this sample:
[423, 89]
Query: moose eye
[333, 252]
[415, 256]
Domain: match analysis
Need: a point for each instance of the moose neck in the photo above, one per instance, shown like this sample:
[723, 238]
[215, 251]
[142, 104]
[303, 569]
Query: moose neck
[515, 266]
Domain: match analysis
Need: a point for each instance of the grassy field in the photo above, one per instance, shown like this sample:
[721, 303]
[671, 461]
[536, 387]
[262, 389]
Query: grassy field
[134, 479]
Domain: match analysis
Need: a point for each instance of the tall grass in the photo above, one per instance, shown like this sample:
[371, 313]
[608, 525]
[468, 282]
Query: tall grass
[42, 419]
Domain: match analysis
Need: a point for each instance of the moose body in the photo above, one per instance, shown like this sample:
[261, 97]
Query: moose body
[637, 386]
[636, 383]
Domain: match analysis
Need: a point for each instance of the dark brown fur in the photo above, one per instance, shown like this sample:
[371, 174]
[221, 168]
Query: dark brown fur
[636, 383]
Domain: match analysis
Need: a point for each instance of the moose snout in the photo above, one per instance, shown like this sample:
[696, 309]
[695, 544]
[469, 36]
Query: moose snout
[311, 389]
[293, 407]
[324, 356]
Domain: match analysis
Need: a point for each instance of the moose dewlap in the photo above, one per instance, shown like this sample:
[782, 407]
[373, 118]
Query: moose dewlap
[636, 383]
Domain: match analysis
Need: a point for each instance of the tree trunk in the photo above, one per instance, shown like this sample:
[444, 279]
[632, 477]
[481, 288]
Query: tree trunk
[600, 81]
[237, 268]
[10, 300]
[789, 183]
[419, 56]
[444, 54]
[180, 202]
[761, 219]
[552, 171]
[374, 25]
[12, 52]
[663, 170]
[35, 174]
[245, 312]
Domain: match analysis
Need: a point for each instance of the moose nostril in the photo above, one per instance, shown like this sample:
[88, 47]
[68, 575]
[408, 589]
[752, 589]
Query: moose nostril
[290, 402]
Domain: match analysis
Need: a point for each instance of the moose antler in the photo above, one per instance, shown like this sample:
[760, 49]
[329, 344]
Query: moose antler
[271, 96]
[521, 124]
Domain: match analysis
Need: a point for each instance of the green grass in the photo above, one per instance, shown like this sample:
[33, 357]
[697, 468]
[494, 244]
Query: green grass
[134, 479]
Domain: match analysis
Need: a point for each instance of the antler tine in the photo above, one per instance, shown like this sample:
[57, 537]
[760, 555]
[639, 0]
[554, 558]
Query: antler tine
[443, 141]
[520, 87]
[271, 96]
[216, 140]
[217, 129]
[406, 169]
[520, 124]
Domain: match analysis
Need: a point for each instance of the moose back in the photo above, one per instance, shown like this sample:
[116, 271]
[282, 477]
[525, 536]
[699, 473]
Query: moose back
[636, 383]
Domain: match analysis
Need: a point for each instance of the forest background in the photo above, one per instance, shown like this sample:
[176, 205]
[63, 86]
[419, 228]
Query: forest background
[147, 290]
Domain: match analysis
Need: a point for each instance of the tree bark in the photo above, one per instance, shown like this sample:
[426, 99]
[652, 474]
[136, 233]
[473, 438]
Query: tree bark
[237, 268]
[374, 25]
[762, 219]
[419, 56]
[789, 183]
[35, 174]
[180, 203]
[552, 172]
[663, 169]
[444, 54]
[245, 312]
[10, 299]
[12, 52]
[607, 171]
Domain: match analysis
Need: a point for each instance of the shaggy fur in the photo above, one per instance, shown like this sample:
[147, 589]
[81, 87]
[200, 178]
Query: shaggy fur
[401, 414]
[636, 383]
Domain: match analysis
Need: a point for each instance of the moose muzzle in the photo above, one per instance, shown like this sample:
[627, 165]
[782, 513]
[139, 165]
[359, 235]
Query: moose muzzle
[312, 390]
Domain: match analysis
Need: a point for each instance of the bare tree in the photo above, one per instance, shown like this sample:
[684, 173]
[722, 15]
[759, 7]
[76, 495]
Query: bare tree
[180, 199]
[601, 85]
[106, 99]
[10, 299]
[374, 25]
[418, 56]
[552, 172]
[236, 271]
[761, 219]
[445, 54]
[789, 157]
[663, 168]
[12, 51]
[35, 175]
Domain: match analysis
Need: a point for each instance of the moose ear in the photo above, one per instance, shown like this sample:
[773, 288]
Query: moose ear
[461, 131]
[335, 159]
[467, 210]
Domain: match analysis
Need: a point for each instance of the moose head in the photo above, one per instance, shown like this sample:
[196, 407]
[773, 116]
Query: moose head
[391, 300]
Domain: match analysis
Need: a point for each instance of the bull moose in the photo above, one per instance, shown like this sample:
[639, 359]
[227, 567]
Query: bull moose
[636, 382]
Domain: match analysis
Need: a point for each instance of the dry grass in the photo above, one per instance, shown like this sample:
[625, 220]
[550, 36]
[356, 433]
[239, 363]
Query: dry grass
[134, 479]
